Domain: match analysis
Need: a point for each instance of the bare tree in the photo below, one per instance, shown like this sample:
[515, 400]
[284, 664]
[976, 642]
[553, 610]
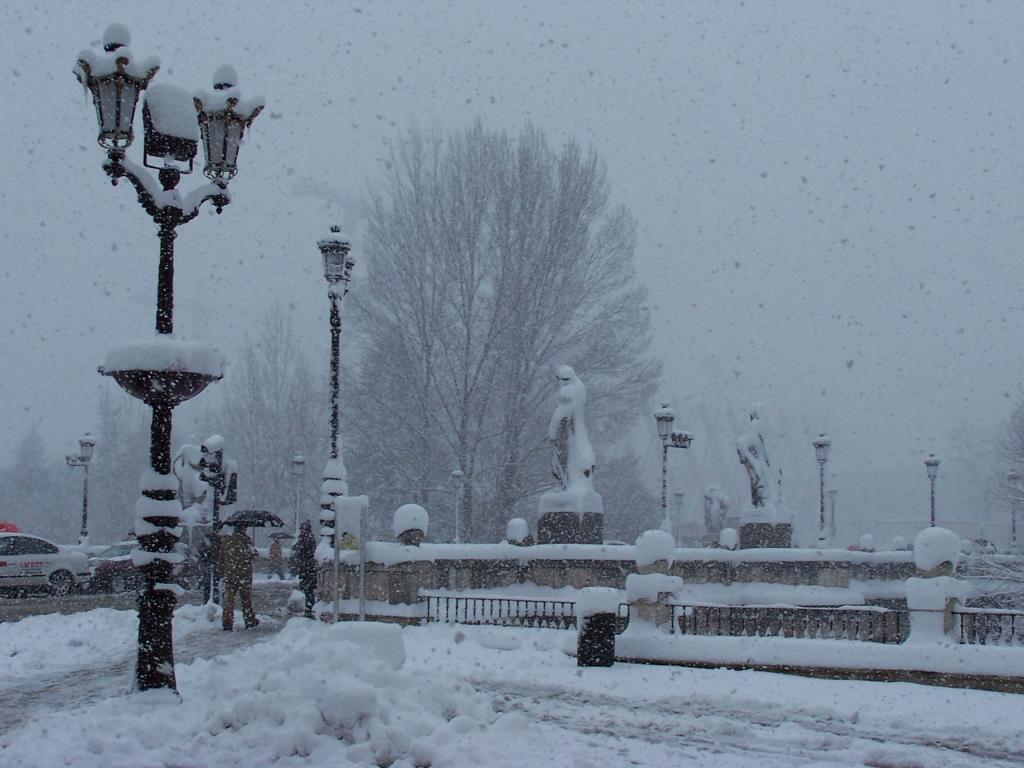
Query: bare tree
[273, 406]
[492, 260]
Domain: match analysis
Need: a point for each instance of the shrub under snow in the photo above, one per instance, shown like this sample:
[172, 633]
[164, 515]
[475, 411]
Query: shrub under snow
[934, 546]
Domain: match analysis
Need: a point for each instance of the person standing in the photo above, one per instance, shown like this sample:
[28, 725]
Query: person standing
[303, 563]
[275, 560]
[236, 556]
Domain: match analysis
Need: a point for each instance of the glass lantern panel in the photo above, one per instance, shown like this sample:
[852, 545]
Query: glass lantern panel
[215, 139]
[334, 265]
[106, 104]
[233, 140]
[126, 112]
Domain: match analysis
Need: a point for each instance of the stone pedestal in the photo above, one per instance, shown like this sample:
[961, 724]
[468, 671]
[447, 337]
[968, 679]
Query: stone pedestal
[764, 534]
[570, 517]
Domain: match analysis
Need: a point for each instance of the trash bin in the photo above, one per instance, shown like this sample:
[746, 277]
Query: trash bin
[595, 644]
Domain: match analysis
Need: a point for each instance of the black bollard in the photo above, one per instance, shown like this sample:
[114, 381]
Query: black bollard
[595, 645]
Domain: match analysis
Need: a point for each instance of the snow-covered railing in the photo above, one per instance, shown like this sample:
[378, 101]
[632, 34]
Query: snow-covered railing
[865, 623]
[509, 611]
[990, 626]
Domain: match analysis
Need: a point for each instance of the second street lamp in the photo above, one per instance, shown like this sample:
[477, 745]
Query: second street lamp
[83, 459]
[670, 438]
[1013, 478]
[931, 465]
[338, 266]
[821, 448]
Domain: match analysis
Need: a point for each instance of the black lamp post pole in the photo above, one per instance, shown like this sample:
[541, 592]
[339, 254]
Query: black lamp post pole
[335, 369]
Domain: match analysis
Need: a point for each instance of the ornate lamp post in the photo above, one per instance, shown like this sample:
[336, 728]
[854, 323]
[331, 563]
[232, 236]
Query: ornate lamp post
[338, 266]
[163, 372]
[821, 448]
[298, 472]
[1013, 478]
[83, 459]
[670, 438]
[460, 485]
[931, 465]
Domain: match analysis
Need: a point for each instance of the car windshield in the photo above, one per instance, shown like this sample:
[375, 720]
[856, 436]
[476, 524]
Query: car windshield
[115, 551]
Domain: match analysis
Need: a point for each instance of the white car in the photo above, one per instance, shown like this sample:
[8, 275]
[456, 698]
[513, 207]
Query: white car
[31, 562]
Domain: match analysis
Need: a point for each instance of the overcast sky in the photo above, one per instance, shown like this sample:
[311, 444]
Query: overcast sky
[828, 193]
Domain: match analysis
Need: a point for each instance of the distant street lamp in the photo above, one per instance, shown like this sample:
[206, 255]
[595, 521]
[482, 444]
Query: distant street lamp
[821, 448]
[670, 438]
[931, 465]
[83, 459]
[338, 265]
[1014, 478]
[165, 372]
[460, 480]
[298, 472]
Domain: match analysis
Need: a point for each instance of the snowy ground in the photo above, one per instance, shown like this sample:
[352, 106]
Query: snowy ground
[466, 697]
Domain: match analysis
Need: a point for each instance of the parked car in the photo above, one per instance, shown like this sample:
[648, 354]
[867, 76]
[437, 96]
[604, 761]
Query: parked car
[29, 562]
[113, 569]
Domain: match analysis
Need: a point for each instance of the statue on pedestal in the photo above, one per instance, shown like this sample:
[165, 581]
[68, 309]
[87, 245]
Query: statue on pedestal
[573, 511]
[763, 523]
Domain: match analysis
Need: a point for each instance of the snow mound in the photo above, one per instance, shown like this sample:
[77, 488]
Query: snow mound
[592, 600]
[410, 517]
[655, 545]
[517, 529]
[728, 538]
[647, 586]
[934, 546]
[315, 694]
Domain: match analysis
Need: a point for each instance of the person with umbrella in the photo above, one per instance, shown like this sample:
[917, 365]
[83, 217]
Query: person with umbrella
[303, 563]
[236, 556]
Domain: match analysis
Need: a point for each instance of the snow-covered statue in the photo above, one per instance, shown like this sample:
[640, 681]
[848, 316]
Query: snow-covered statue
[572, 512]
[191, 488]
[572, 461]
[762, 524]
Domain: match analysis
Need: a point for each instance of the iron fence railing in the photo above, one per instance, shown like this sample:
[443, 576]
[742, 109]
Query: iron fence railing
[864, 623]
[510, 611]
[990, 626]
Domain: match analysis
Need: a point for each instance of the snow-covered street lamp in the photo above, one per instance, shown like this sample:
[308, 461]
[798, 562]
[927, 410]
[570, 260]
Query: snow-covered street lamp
[83, 459]
[670, 438]
[163, 372]
[338, 265]
[1013, 479]
[821, 448]
[931, 465]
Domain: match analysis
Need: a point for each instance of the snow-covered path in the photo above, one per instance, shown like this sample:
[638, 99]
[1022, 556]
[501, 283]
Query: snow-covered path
[711, 731]
[75, 685]
[476, 697]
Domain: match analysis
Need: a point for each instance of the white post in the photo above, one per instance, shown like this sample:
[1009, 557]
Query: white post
[337, 564]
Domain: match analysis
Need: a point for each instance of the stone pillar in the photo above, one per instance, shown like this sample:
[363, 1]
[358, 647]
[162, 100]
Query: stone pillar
[596, 609]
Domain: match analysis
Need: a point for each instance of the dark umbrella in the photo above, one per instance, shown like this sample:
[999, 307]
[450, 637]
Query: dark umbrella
[255, 518]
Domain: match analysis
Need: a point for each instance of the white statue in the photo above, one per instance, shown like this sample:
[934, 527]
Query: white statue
[572, 461]
[191, 488]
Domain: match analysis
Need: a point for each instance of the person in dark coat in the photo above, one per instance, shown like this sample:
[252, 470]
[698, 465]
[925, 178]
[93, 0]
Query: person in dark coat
[303, 563]
[275, 560]
[236, 556]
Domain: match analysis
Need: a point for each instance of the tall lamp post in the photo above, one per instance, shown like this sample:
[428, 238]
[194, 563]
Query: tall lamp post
[83, 459]
[670, 438]
[832, 493]
[821, 448]
[460, 482]
[931, 465]
[298, 472]
[338, 266]
[162, 372]
[1013, 478]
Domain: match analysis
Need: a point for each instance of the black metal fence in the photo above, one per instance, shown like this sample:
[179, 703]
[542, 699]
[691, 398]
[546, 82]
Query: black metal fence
[878, 625]
[990, 626]
[510, 612]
